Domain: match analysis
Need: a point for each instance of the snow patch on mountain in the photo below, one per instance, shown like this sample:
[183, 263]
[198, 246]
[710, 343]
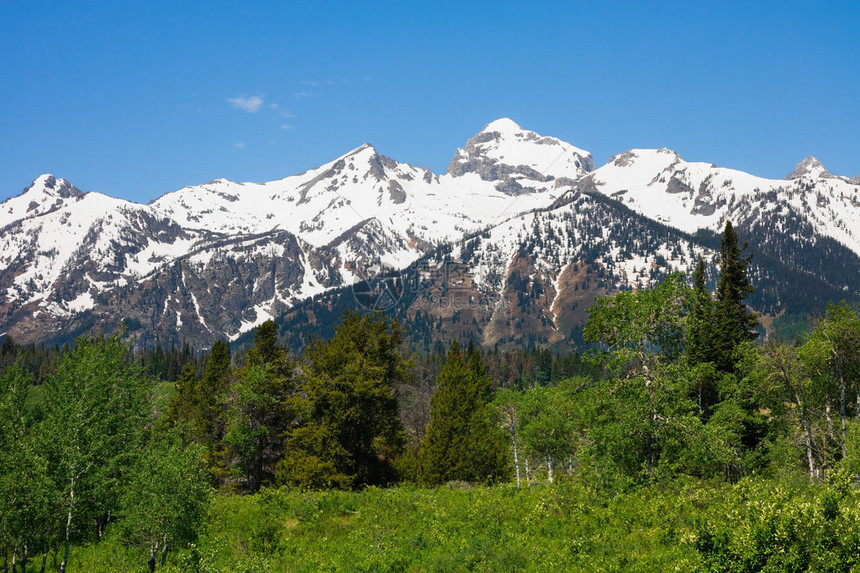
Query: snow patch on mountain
[691, 195]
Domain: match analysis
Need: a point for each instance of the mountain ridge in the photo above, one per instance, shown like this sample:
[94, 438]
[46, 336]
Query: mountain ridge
[213, 260]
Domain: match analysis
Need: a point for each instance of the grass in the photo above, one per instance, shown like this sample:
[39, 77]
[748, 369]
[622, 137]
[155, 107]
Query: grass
[681, 526]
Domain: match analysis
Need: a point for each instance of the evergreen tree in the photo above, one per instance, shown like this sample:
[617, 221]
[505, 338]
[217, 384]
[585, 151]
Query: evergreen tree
[733, 324]
[265, 408]
[183, 406]
[210, 408]
[699, 342]
[461, 442]
[8, 352]
[349, 431]
[699, 322]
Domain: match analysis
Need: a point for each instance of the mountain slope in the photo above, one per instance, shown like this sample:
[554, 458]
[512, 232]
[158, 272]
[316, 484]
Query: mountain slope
[691, 196]
[527, 227]
[71, 260]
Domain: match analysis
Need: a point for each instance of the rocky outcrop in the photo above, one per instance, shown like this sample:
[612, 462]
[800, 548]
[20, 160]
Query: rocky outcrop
[809, 167]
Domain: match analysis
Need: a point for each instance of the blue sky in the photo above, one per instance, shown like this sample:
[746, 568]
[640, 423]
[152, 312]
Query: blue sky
[133, 99]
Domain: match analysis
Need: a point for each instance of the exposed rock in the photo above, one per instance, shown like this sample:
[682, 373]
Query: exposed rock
[396, 192]
[809, 167]
[512, 187]
[210, 273]
[623, 159]
[704, 204]
[675, 185]
[564, 182]
[378, 164]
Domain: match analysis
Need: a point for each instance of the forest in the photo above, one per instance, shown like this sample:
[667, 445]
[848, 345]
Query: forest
[674, 439]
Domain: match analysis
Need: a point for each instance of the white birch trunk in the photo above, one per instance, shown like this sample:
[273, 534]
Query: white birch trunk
[68, 527]
[516, 457]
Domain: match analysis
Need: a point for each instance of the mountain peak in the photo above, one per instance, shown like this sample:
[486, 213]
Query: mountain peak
[46, 186]
[45, 194]
[810, 167]
[50, 185]
[505, 152]
[502, 125]
[360, 148]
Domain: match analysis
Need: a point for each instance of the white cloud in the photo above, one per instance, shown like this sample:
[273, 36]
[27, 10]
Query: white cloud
[300, 95]
[240, 145]
[277, 109]
[250, 104]
[286, 126]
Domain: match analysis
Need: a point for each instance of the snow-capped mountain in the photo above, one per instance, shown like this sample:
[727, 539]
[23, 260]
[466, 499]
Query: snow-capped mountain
[535, 231]
[69, 259]
[691, 196]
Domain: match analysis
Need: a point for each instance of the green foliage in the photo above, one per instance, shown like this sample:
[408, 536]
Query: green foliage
[755, 525]
[699, 343]
[547, 427]
[94, 414]
[647, 467]
[699, 347]
[462, 443]
[27, 502]
[165, 500]
[733, 323]
[264, 410]
[166, 363]
[638, 433]
[348, 432]
[501, 528]
[209, 397]
[183, 406]
[639, 330]
[774, 527]
[831, 356]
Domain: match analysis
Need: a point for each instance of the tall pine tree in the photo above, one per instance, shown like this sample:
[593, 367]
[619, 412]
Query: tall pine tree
[733, 323]
[461, 442]
[265, 408]
[209, 422]
[699, 343]
[699, 323]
